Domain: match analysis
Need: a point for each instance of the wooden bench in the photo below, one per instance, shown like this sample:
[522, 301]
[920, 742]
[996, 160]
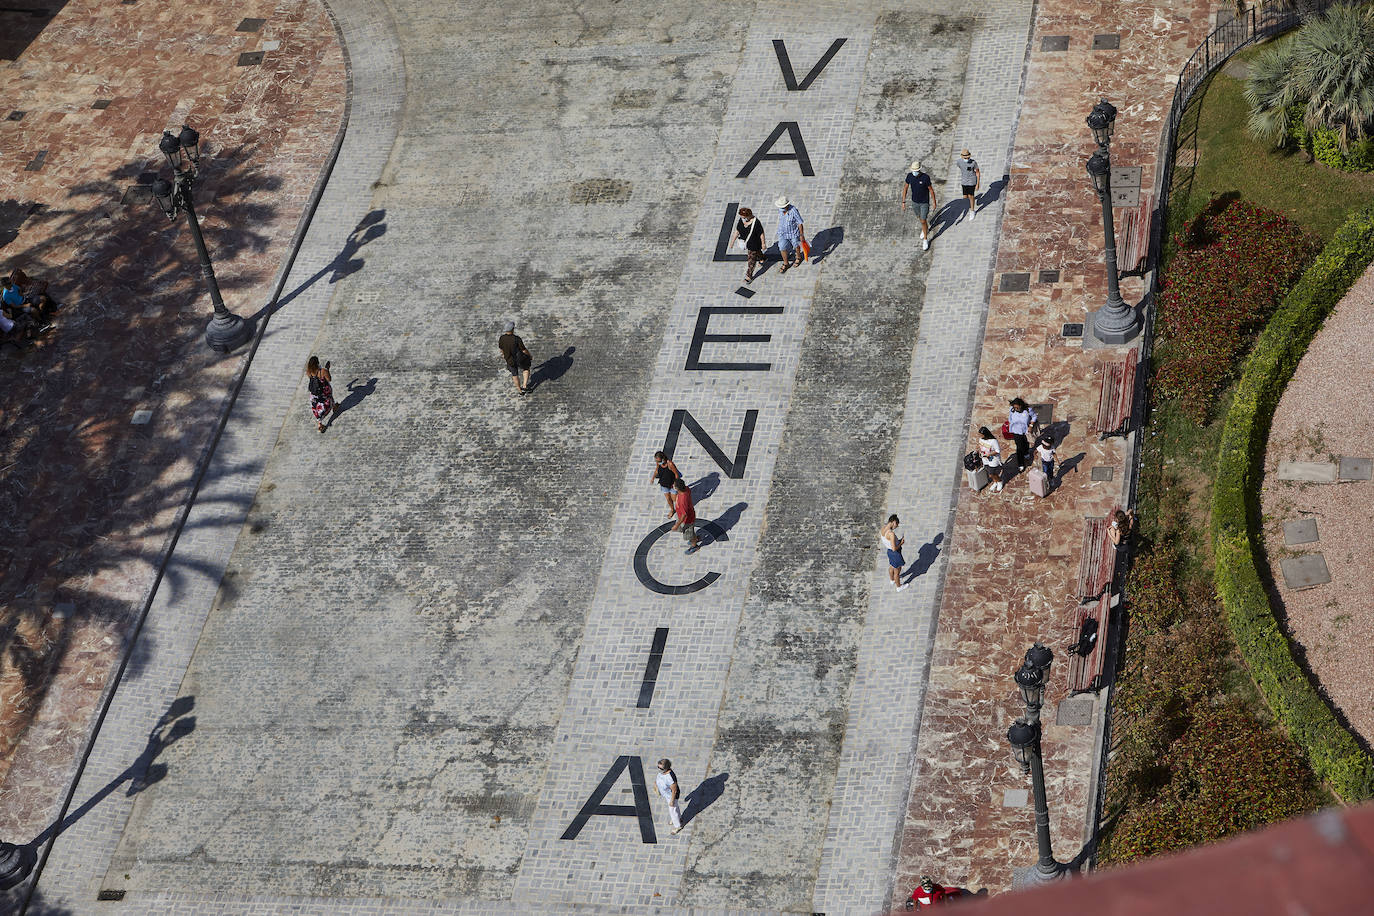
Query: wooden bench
[1098, 564]
[1088, 653]
[1133, 234]
[1116, 402]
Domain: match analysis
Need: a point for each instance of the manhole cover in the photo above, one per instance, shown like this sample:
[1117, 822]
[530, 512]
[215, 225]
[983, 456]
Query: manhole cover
[1015, 798]
[1054, 43]
[1357, 468]
[1075, 711]
[1102, 472]
[1071, 330]
[1302, 531]
[1305, 571]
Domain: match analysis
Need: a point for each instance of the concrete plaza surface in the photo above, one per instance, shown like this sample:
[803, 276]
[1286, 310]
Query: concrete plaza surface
[427, 654]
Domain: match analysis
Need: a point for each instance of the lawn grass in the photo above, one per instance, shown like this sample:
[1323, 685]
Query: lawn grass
[1230, 161]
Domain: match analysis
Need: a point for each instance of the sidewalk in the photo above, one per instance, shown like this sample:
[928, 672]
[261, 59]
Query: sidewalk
[107, 421]
[1013, 557]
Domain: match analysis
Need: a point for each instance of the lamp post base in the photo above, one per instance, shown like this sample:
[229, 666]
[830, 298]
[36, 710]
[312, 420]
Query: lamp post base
[1112, 325]
[15, 864]
[226, 332]
[1036, 875]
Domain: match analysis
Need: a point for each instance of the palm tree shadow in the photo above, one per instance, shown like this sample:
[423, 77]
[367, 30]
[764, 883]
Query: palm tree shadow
[701, 798]
[552, 369]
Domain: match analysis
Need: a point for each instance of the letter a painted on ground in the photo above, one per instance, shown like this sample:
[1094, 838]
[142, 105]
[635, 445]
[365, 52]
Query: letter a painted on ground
[640, 809]
[785, 64]
[799, 154]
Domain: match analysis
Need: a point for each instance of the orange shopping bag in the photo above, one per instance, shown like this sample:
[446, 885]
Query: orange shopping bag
[806, 250]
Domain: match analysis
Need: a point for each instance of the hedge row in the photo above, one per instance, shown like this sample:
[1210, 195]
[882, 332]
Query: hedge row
[1335, 755]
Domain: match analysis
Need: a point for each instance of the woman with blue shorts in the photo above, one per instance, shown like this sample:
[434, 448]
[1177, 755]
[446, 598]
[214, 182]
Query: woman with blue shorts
[893, 543]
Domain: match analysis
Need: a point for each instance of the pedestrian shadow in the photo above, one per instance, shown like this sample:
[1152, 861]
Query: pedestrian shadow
[551, 369]
[825, 242]
[946, 217]
[702, 797]
[1058, 430]
[925, 558]
[726, 521]
[344, 264]
[704, 487]
[356, 394]
[994, 192]
[1069, 465]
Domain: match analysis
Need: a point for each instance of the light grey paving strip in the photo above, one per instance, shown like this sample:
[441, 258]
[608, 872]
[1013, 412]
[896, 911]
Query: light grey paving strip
[608, 864]
[198, 905]
[76, 867]
[876, 768]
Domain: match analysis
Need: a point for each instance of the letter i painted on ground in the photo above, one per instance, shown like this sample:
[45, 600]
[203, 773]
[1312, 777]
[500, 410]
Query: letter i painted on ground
[646, 689]
[640, 809]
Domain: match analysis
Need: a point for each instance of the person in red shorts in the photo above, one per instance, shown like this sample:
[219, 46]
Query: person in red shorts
[686, 516]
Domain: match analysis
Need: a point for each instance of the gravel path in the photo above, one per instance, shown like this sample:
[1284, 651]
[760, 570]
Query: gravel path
[1323, 416]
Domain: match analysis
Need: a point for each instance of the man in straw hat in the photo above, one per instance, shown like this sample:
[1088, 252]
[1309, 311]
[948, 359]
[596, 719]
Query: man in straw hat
[922, 199]
[969, 179]
[791, 232]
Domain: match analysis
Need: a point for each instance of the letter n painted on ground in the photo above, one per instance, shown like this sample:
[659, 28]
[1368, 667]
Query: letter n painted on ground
[640, 809]
[733, 469]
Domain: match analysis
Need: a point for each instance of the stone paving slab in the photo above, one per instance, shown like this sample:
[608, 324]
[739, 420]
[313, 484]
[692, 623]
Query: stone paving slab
[1308, 471]
[1306, 571]
[1356, 469]
[1300, 531]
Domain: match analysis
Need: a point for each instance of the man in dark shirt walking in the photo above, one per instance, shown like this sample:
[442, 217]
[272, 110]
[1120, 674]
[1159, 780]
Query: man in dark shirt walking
[922, 199]
[518, 359]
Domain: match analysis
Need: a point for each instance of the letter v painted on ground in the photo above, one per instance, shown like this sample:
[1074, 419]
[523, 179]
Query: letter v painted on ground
[785, 64]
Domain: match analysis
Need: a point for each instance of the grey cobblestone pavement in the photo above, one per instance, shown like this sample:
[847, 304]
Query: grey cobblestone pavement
[429, 641]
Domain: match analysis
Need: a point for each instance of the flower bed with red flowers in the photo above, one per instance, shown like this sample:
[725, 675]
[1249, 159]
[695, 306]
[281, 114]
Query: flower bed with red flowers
[1234, 263]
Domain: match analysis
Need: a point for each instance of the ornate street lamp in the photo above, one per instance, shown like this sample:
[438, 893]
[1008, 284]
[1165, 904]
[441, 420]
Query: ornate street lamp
[16, 862]
[1031, 679]
[1101, 120]
[1024, 738]
[1116, 322]
[225, 330]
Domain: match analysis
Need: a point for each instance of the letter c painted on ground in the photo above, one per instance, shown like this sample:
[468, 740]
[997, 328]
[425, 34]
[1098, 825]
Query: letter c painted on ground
[642, 560]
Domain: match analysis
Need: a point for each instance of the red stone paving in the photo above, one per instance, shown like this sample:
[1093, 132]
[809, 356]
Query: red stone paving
[88, 500]
[1014, 559]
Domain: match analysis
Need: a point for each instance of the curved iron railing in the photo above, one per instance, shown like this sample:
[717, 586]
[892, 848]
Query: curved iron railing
[1266, 19]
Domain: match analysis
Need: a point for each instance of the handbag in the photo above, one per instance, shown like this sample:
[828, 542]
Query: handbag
[1006, 429]
[805, 250]
[972, 461]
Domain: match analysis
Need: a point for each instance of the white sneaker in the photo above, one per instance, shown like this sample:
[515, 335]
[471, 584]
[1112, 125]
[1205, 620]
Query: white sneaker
[972, 214]
[998, 488]
[925, 243]
[902, 586]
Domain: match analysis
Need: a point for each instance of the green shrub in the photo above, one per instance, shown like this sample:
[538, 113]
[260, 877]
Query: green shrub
[1335, 755]
[1326, 148]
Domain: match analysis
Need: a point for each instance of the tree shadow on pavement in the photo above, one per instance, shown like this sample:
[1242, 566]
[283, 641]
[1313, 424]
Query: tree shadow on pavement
[90, 499]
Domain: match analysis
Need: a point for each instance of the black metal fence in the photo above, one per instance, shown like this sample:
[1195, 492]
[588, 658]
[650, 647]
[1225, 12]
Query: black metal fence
[1263, 20]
